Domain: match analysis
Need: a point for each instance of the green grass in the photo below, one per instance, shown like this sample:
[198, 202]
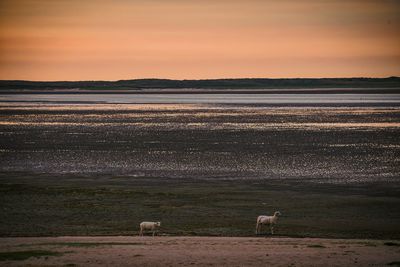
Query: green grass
[88, 244]
[23, 255]
[392, 244]
[316, 246]
[394, 263]
[225, 208]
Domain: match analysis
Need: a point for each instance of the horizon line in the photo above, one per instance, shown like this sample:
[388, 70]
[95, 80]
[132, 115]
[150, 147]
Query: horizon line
[205, 79]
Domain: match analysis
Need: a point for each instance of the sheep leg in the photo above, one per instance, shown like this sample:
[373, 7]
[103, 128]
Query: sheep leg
[257, 228]
[154, 232]
[141, 232]
[272, 230]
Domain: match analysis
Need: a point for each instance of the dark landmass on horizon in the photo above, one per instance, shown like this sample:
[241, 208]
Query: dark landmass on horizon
[246, 85]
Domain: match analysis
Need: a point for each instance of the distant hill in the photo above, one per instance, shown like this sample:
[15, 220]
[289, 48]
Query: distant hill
[209, 84]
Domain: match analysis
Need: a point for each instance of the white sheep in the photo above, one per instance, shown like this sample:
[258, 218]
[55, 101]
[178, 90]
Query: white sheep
[267, 220]
[149, 226]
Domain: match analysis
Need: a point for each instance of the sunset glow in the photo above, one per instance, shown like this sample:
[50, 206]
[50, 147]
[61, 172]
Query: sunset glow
[188, 39]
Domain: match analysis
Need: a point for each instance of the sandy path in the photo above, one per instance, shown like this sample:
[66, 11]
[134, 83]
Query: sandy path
[202, 251]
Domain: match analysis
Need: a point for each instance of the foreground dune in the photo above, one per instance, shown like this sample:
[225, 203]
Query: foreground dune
[199, 251]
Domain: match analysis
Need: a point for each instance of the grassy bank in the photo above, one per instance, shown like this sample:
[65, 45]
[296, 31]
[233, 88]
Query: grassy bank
[62, 205]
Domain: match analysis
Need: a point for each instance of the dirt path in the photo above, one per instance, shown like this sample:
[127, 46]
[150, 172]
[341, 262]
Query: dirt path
[199, 251]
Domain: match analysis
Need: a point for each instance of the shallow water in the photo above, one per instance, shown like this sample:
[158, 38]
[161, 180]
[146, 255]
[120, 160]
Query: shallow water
[327, 145]
[208, 98]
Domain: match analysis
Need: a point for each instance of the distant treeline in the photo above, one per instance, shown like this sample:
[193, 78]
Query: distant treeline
[249, 83]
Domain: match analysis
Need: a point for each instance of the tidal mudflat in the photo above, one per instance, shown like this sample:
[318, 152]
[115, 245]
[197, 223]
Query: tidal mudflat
[80, 169]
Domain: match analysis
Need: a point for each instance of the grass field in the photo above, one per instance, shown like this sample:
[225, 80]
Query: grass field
[116, 206]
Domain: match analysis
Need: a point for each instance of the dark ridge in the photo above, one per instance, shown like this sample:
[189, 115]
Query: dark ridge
[247, 83]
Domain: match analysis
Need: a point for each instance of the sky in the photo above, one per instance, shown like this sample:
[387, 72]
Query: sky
[198, 39]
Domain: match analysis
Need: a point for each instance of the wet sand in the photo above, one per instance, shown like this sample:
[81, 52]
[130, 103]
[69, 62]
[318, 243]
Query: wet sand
[203, 251]
[327, 144]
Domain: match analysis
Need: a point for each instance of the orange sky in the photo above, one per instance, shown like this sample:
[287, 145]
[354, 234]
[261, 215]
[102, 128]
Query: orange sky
[194, 39]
